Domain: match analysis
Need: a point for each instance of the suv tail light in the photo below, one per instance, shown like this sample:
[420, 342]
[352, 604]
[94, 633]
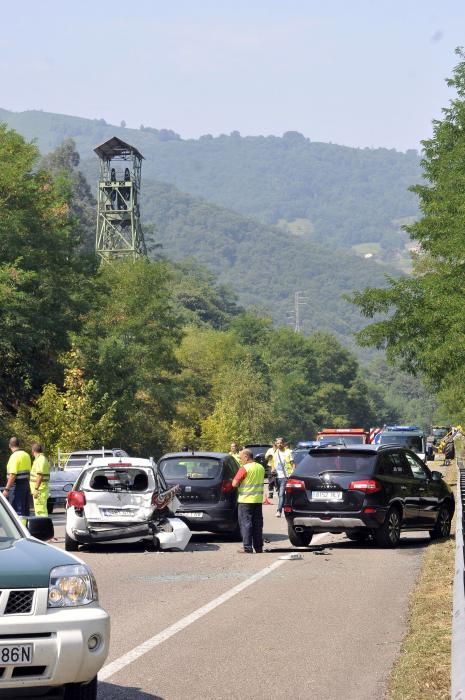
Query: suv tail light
[295, 485]
[365, 485]
[76, 499]
[226, 486]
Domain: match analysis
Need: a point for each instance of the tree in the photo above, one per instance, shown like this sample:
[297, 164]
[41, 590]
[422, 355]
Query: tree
[423, 326]
[43, 283]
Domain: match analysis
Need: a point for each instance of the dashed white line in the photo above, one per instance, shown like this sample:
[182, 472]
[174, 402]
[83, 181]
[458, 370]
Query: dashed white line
[138, 651]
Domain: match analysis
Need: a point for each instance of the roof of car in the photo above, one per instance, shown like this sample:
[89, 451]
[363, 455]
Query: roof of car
[99, 451]
[212, 455]
[354, 448]
[116, 461]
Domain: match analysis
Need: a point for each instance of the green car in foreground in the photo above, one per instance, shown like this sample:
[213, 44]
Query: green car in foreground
[54, 635]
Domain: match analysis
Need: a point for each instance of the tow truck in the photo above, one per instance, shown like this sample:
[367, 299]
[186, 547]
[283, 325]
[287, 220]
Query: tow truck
[350, 436]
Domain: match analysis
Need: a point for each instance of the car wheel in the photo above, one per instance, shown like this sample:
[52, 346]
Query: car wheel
[388, 535]
[50, 506]
[441, 529]
[70, 544]
[81, 691]
[299, 539]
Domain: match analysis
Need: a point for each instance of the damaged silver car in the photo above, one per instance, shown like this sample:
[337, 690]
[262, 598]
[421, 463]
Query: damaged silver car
[123, 499]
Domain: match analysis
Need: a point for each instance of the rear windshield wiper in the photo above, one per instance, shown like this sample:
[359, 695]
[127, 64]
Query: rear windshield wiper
[206, 478]
[336, 471]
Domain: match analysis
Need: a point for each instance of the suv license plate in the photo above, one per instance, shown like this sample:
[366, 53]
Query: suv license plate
[326, 495]
[191, 515]
[15, 654]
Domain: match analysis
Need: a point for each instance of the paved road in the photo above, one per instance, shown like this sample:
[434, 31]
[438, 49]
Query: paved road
[325, 627]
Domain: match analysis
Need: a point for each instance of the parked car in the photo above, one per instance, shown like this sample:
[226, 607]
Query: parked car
[53, 633]
[366, 490]
[60, 483]
[79, 458]
[126, 500]
[301, 449]
[208, 499]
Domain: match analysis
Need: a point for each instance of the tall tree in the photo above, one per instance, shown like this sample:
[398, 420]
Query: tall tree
[425, 328]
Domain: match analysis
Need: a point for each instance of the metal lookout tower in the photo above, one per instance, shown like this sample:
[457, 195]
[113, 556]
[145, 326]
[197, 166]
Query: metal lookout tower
[119, 233]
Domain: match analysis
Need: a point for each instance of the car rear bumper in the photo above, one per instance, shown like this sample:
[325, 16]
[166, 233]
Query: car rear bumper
[60, 654]
[326, 524]
[108, 532]
[337, 522]
[216, 519]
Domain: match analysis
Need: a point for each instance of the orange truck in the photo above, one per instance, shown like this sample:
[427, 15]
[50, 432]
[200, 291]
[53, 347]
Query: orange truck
[349, 436]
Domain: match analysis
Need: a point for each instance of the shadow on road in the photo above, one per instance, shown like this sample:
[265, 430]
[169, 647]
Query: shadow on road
[108, 691]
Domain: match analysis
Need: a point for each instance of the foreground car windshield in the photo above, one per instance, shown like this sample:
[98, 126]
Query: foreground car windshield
[318, 461]
[190, 468]
[8, 530]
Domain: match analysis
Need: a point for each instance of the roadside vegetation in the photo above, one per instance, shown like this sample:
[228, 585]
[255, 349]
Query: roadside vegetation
[423, 667]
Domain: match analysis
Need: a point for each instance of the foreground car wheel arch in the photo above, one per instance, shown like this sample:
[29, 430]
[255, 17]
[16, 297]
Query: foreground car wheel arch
[299, 539]
[442, 526]
[81, 691]
[388, 534]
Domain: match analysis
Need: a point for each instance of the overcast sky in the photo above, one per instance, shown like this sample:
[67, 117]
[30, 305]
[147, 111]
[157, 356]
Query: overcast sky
[354, 72]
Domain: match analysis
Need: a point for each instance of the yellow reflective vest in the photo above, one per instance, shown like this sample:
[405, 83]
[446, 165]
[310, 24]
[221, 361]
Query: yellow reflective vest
[250, 489]
[19, 464]
[40, 465]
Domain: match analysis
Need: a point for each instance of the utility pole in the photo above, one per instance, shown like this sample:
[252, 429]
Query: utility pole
[299, 300]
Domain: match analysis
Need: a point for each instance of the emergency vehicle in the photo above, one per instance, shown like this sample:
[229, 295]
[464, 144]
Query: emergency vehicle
[350, 436]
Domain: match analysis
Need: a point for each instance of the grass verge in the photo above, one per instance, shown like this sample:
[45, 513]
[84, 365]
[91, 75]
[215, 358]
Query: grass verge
[422, 670]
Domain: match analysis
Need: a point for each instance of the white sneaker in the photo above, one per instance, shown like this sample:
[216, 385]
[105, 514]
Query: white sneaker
[278, 514]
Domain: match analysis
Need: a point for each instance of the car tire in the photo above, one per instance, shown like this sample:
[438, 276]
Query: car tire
[50, 506]
[441, 529]
[70, 544]
[299, 539]
[388, 534]
[81, 691]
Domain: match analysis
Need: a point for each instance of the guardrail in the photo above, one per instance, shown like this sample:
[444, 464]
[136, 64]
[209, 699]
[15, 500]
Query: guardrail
[458, 615]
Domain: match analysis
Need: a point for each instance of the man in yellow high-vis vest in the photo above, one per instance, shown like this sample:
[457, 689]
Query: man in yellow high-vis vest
[249, 481]
[17, 472]
[40, 476]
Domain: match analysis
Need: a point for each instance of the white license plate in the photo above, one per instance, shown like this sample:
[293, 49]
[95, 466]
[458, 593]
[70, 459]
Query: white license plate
[15, 654]
[116, 512]
[326, 495]
[192, 515]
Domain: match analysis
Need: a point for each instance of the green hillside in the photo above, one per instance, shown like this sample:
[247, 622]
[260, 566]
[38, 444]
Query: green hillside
[344, 196]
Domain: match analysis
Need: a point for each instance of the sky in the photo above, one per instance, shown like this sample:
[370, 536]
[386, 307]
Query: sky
[353, 72]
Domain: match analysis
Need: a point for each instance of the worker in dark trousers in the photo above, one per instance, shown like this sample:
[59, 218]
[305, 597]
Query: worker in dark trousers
[249, 481]
[18, 471]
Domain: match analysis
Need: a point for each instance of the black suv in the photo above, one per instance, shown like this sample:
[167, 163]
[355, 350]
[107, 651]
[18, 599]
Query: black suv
[208, 499]
[365, 490]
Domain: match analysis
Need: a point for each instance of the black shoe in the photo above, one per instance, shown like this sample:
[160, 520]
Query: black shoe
[245, 551]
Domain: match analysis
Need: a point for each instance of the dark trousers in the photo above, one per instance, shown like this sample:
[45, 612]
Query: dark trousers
[251, 524]
[19, 497]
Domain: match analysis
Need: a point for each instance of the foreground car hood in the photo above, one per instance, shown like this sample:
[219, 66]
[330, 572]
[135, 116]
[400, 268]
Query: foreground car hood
[27, 564]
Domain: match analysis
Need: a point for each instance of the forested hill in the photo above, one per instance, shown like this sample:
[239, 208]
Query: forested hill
[330, 194]
[263, 264]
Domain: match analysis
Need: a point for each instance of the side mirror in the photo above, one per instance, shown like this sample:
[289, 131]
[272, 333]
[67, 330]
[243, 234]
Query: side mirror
[436, 476]
[40, 527]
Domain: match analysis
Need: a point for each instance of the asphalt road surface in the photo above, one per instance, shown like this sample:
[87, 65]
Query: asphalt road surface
[213, 623]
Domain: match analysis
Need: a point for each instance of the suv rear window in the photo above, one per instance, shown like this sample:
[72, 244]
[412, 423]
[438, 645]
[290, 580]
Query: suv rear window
[320, 461]
[190, 468]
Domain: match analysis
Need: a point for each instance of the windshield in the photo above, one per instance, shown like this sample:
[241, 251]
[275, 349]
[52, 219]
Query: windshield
[9, 532]
[318, 462]
[190, 468]
[411, 442]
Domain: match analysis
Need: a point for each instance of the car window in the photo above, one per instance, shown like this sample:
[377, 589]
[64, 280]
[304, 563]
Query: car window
[190, 468]
[328, 460]
[9, 532]
[411, 442]
[418, 470]
[111, 479]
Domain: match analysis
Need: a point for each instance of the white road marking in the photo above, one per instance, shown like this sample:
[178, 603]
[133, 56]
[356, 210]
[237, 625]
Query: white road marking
[149, 644]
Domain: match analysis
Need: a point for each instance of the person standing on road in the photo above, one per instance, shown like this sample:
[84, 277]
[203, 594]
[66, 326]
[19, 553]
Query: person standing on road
[234, 452]
[40, 476]
[283, 466]
[18, 470]
[249, 481]
[269, 459]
